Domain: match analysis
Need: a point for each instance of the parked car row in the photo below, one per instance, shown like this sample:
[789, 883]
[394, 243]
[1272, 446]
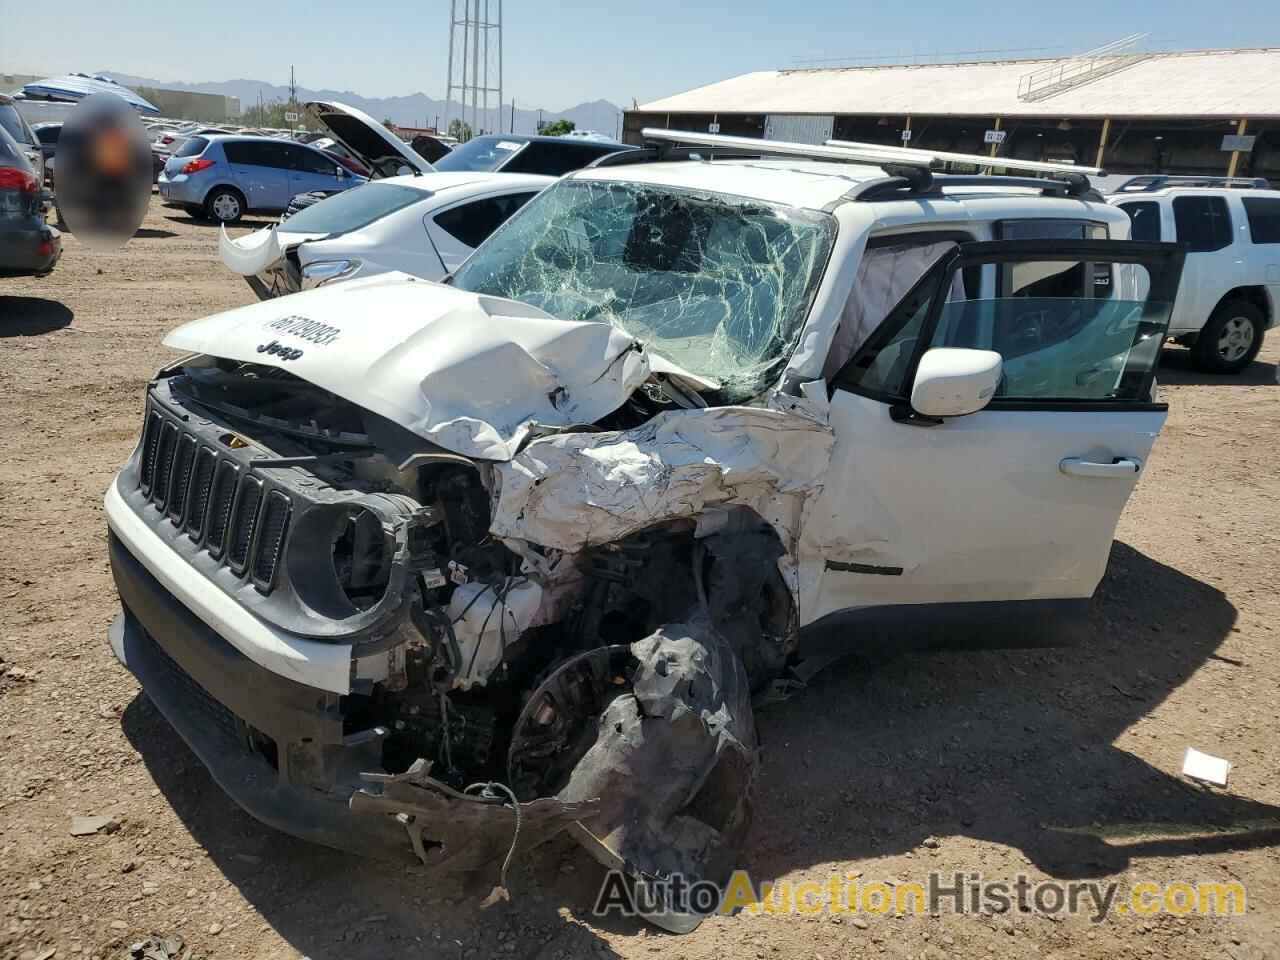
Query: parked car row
[28, 245]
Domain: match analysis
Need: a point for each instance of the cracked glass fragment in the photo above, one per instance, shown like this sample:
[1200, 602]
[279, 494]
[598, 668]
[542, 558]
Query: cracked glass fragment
[721, 285]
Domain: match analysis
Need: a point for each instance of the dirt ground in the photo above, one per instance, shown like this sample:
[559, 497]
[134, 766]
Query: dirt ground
[1058, 763]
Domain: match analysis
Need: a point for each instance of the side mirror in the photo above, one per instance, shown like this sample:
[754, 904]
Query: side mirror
[953, 382]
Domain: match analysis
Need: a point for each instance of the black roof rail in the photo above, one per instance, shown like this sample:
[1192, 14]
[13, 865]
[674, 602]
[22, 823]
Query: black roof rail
[899, 188]
[1149, 182]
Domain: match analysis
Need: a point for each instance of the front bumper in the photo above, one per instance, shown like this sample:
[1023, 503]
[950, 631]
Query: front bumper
[279, 748]
[224, 705]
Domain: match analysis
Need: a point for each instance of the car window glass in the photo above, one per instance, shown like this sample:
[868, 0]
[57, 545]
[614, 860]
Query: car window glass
[10, 154]
[1062, 335]
[257, 154]
[13, 123]
[553, 159]
[48, 135]
[353, 209]
[1144, 220]
[310, 161]
[194, 147]
[1202, 223]
[480, 154]
[471, 223]
[880, 365]
[1264, 218]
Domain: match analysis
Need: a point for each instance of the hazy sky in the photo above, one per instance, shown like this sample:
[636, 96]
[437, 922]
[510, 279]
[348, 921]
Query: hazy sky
[561, 53]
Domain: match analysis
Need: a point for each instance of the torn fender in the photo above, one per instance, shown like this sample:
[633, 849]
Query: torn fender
[571, 491]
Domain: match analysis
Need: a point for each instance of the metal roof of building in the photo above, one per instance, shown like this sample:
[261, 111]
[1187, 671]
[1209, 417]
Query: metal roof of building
[1206, 83]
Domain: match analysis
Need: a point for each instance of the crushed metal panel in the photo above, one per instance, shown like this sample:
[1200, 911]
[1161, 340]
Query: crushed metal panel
[571, 491]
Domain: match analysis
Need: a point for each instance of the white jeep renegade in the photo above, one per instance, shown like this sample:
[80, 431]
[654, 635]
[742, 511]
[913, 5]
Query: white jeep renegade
[396, 555]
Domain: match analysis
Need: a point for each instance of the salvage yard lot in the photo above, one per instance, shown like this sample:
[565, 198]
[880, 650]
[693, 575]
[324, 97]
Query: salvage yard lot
[1055, 763]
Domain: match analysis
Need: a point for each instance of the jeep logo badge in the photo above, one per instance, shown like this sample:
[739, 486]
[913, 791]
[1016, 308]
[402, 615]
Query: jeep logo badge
[275, 348]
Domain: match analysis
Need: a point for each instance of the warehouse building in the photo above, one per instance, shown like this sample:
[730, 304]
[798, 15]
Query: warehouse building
[1208, 112]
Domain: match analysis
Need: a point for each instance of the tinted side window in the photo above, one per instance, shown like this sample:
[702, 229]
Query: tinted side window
[1202, 222]
[256, 154]
[1144, 220]
[194, 147]
[1264, 218]
[471, 223]
[48, 135]
[13, 124]
[552, 159]
[311, 161]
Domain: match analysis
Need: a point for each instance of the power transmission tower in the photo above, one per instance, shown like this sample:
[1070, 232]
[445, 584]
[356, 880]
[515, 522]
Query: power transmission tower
[475, 63]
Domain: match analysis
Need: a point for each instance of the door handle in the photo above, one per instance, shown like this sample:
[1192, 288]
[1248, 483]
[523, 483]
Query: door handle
[1119, 467]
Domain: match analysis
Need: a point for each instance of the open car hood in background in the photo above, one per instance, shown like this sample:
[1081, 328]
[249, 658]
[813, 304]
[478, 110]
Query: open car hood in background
[376, 147]
[470, 373]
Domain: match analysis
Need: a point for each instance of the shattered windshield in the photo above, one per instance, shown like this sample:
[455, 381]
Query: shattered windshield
[719, 284]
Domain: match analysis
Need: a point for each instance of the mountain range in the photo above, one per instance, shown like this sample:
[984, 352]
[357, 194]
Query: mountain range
[415, 109]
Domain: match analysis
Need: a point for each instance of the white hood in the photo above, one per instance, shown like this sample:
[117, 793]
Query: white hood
[468, 372]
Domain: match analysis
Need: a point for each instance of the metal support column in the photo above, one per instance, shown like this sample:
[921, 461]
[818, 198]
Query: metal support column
[1235, 154]
[1102, 141]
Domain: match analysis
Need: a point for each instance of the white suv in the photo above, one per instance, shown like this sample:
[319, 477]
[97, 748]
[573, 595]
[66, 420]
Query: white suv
[547, 529]
[1231, 282]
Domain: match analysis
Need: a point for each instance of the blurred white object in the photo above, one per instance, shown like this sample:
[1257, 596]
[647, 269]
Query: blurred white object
[1201, 766]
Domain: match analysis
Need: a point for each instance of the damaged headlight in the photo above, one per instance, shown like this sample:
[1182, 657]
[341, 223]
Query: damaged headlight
[326, 271]
[340, 560]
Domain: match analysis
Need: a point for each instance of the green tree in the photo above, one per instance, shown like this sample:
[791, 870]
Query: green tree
[389, 124]
[459, 130]
[557, 128]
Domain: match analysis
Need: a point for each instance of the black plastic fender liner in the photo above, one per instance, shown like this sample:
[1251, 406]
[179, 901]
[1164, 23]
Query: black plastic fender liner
[673, 762]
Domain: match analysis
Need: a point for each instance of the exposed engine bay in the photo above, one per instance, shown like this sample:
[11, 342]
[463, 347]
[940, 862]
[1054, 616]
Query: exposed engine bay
[576, 675]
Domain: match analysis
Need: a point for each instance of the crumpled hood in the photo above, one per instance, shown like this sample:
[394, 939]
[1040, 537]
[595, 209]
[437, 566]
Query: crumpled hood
[468, 372]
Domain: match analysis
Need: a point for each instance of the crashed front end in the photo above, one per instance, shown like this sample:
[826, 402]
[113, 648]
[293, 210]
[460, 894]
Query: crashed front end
[388, 581]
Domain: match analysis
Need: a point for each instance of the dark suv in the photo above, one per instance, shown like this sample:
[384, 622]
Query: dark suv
[509, 153]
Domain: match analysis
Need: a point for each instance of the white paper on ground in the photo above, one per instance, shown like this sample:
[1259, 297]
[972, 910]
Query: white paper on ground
[1201, 766]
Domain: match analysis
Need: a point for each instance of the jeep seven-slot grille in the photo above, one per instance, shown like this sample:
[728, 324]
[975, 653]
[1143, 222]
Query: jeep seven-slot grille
[250, 500]
[275, 521]
[214, 500]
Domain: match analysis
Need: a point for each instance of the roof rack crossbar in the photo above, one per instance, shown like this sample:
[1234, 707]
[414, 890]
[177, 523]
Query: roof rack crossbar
[753, 146]
[973, 159]
[909, 170]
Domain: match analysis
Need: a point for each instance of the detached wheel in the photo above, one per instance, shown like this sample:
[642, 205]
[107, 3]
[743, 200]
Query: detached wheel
[225, 205]
[1231, 339]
